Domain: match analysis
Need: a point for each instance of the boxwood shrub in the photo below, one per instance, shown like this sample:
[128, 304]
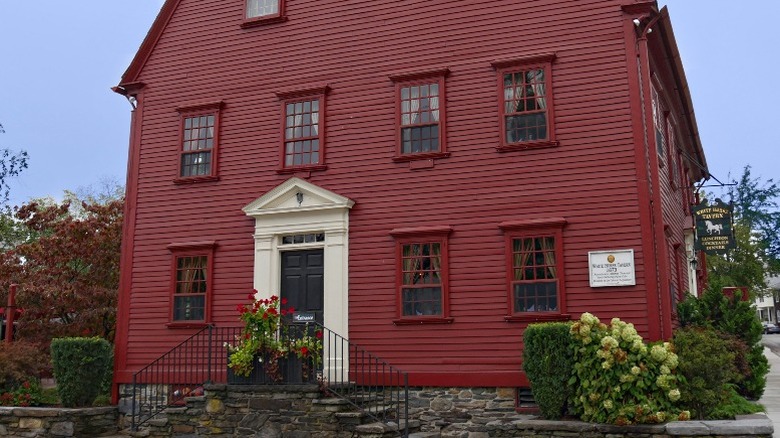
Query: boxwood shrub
[548, 364]
[80, 366]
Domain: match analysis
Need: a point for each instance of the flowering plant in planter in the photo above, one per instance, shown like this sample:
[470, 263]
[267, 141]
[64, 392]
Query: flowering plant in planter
[266, 339]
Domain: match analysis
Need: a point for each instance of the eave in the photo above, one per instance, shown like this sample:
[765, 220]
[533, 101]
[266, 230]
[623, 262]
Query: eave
[130, 77]
[672, 54]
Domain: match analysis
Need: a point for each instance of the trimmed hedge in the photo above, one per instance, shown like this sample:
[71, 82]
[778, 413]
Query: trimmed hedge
[548, 363]
[81, 365]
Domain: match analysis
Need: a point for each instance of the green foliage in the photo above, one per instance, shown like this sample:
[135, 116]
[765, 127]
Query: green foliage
[78, 364]
[548, 363]
[707, 364]
[733, 406]
[27, 393]
[618, 378]
[734, 317]
[757, 234]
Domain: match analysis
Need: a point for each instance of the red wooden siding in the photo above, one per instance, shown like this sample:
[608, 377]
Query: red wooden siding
[590, 179]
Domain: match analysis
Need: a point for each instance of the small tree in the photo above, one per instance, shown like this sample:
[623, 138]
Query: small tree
[548, 363]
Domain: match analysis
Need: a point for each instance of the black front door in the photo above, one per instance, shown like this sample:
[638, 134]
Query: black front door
[302, 282]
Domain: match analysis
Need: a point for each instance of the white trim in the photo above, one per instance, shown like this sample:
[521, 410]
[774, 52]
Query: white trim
[279, 212]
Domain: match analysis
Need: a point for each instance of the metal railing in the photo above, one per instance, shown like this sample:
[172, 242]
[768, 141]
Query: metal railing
[339, 367]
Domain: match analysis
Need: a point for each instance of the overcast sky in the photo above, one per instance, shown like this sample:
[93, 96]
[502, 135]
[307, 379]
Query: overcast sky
[57, 65]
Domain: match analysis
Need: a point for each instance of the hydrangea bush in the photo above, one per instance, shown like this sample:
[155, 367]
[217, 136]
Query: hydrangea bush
[619, 379]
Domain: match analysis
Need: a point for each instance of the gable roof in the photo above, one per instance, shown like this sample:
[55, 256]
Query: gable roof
[130, 75]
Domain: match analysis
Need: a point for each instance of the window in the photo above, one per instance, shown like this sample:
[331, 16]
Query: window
[526, 102]
[659, 121]
[674, 169]
[260, 12]
[421, 115]
[535, 269]
[422, 275]
[191, 282]
[199, 142]
[303, 130]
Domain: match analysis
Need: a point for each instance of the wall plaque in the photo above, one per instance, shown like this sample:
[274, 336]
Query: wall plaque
[611, 268]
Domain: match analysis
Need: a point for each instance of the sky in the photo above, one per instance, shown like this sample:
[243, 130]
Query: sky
[58, 64]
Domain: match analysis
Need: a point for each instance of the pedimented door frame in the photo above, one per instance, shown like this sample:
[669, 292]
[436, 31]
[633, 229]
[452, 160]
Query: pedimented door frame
[299, 207]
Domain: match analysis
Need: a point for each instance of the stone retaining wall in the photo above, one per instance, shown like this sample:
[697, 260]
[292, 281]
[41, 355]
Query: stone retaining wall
[300, 412]
[57, 422]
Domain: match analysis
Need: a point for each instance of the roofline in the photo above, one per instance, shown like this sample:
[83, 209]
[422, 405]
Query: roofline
[681, 83]
[130, 75]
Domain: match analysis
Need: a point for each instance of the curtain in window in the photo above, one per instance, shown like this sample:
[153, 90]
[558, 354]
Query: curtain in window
[536, 77]
[315, 118]
[436, 262]
[522, 248]
[548, 246]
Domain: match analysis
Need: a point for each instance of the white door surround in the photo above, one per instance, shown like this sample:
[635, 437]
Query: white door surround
[299, 207]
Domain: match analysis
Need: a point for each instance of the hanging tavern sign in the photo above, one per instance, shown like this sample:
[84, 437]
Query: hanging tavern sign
[713, 227]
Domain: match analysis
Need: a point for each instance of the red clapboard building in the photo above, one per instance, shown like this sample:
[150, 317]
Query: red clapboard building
[428, 177]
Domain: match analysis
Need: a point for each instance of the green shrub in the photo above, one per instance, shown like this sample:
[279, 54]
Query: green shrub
[732, 316]
[708, 367]
[733, 406]
[618, 378]
[548, 364]
[80, 367]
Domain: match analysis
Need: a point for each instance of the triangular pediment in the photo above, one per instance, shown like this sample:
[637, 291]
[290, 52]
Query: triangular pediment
[296, 195]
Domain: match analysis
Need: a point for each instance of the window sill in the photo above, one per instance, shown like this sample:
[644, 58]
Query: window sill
[262, 21]
[526, 145]
[314, 168]
[426, 156]
[196, 179]
[187, 325]
[541, 317]
[423, 320]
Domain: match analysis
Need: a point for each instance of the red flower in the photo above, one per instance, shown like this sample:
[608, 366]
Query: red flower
[26, 385]
[265, 315]
[274, 298]
[240, 308]
[284, 301]
[304, 351]
[247, 335]
[251, 296]
[318, 334]
[291, 310]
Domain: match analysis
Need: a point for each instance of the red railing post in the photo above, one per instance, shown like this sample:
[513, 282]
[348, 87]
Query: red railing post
[10, 313]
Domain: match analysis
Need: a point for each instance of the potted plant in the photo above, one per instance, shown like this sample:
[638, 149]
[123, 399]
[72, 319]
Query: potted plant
[269, 351]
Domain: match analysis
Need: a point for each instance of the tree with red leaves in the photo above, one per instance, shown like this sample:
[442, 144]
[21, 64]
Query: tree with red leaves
[67, 270]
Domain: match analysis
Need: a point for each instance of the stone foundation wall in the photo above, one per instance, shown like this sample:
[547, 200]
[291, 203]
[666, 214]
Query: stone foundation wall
[57, 422]
[301, 412]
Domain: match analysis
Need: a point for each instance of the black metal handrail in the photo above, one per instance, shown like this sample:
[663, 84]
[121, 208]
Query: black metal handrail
[341, 369]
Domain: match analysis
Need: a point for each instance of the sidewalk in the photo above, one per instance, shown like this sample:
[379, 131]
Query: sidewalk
[771, 398]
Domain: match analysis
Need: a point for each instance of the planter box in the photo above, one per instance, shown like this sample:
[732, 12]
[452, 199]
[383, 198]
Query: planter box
[292, 371]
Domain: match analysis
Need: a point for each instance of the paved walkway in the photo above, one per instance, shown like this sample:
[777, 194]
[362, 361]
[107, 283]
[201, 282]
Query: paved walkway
[771, 398]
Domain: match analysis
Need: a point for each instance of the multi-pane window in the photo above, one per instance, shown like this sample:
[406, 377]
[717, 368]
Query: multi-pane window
[197, 145]
[525, 105]
[421, 279]
[294, 239]
[191, 287]
[659, 122]
[420, 115]
[526, 102]
[199, 141]
[302, 133]
[534, 276]
[262, 8]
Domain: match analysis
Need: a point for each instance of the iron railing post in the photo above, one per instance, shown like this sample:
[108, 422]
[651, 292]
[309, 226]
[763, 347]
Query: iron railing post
[406, 405]
[209, 346]
[132, 408]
